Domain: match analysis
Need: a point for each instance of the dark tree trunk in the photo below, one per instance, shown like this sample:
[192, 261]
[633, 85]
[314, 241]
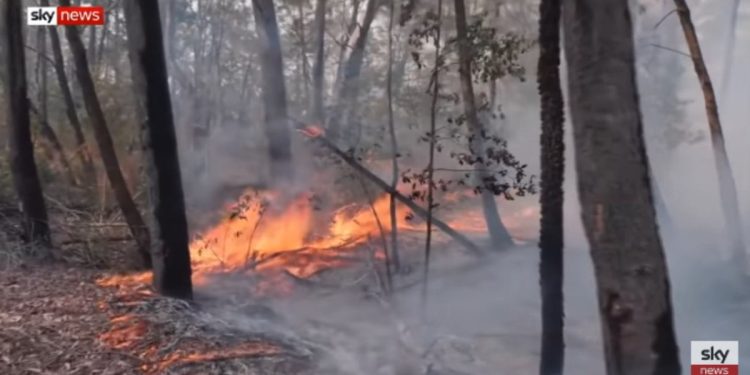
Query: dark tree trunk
[344, 114]
[498, 233]
[106, 147]
[727, 187]
[70, 109]
[274, 90]
[613, 186]
[169, 251]
[551, 199]
[319, 64]
[23, 167]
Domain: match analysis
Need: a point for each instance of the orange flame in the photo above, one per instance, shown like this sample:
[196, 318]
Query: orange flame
[255, 236]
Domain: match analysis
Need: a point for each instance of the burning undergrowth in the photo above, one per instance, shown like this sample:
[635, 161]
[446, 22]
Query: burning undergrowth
[172, 336]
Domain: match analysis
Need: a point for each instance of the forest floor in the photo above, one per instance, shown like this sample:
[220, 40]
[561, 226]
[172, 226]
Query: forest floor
[51, 320]
[61, 319]
[480, 318]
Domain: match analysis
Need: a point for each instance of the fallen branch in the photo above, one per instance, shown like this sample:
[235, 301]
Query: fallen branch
[317, 134]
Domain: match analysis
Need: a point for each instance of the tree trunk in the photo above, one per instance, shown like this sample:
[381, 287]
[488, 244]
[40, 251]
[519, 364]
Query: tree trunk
[70, 108]
[394, 145]
[23, 167]
[551, 198]
[344, 114]
[344, 43]
[433, 140]
[726, 72]
[727, 187]
[274, 90]
[169, 251]
[46, 130]
[613, 186]
[92, 46]
[106, 147]
[498, 233]
[319, 64]
[303, 52]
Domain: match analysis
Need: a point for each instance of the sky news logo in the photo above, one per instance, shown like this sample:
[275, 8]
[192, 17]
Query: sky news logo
[714, 358]
[65, 16]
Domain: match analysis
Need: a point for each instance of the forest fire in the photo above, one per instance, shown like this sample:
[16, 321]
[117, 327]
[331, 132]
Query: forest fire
[256, 235]
[268, 235]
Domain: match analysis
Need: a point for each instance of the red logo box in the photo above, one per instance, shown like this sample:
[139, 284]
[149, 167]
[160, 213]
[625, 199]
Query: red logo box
[714, 370]
[80, 16]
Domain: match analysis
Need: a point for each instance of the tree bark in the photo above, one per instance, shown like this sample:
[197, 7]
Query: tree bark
[551, 198]
[727, 187]
[616, 197]
[170, 248]
[498, 233]
[70, 110]
[23, 167]
[106, 147]
[319, 64]
[274, 90]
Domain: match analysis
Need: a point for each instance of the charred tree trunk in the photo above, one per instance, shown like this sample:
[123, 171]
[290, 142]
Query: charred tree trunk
[106, 147]
[350, 86]
[319, 64]
[23, 167]
[70, 109]
[727, 188]
[616, 197]
[551, 199]
[498, 233]
[169, 241]
[274, 90]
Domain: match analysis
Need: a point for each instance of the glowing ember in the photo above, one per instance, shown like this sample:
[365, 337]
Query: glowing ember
[125, 332]
[243, 350]
[312, 131]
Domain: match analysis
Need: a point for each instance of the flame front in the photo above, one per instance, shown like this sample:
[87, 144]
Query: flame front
[256, 236]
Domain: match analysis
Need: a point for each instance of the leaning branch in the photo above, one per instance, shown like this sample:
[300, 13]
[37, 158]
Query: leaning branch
[317, 135]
